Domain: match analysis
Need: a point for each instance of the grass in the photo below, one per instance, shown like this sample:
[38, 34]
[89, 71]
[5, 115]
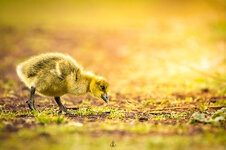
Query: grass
[4, 115]
[46, 118]
[84, 112]
[107, 124]
[116, 114]
[61, 131]
[220, 103]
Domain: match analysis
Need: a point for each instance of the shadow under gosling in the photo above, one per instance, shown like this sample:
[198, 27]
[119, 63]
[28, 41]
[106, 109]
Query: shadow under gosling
[56, 74]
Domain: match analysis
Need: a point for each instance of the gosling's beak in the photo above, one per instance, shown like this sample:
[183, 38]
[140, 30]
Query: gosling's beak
[105, 97]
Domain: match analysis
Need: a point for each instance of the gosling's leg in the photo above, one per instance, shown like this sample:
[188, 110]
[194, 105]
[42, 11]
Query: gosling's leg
[31, 101]
[62, 108]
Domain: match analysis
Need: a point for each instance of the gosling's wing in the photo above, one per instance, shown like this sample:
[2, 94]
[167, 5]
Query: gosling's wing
[41, 65]
[56, 64]
[57, 71]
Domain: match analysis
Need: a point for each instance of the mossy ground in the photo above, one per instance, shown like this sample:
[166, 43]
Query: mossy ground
[164, 60]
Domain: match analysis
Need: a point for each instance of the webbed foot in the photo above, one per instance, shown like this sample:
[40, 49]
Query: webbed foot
[31, 104]
[63, 109]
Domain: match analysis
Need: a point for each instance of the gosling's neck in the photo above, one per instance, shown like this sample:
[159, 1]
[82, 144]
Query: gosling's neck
[88, 77]
[79, 84]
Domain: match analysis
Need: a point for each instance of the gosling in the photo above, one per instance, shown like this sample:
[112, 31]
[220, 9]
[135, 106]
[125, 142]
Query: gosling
[56, 74]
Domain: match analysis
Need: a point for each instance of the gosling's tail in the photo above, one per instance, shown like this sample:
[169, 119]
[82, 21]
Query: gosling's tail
[19, 72]
[21, 75]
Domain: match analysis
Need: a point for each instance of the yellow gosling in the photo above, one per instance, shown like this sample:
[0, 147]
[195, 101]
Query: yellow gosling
[56, 74]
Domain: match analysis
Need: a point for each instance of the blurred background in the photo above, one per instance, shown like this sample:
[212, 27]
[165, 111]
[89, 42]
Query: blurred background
[143, 47]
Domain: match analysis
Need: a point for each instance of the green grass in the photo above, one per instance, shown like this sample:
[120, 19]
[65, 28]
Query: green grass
[5, 115]
[60, 131]
[46, 118]
[220, 103]
[84, 112]
[116, 114]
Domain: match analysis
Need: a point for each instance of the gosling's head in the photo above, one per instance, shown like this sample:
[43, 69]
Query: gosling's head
[99, 88]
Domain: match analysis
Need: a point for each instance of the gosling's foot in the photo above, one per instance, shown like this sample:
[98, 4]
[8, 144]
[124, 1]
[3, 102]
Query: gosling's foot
[30, 104]
[61, 106]
[64, 111]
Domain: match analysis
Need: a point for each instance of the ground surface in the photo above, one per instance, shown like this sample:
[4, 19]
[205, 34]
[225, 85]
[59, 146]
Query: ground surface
[165, 62]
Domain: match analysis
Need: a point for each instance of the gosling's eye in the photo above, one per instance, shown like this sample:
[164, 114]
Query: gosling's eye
[102, 88]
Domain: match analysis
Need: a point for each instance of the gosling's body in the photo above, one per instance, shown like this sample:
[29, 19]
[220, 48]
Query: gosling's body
[55, 74]
[51, 73]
